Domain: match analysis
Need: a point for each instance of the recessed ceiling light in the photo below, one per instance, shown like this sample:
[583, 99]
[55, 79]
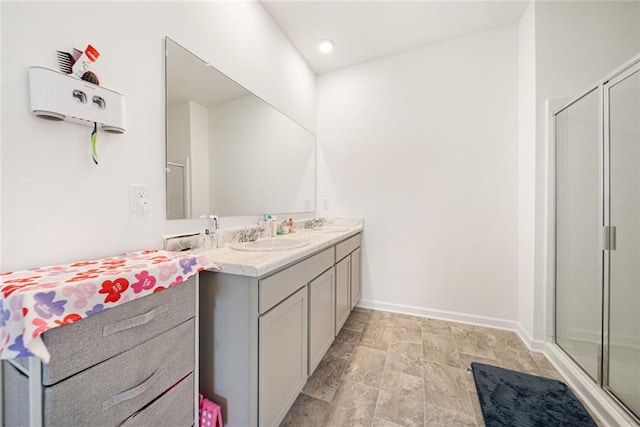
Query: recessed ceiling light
[325, 46]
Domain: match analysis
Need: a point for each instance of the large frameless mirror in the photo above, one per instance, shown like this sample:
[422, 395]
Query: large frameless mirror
[229, 152]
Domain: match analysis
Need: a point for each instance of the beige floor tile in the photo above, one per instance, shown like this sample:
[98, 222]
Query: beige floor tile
[389, 370]
[516, 360]
[446, 387]
[401, 399]
[542, 361]
[366, 367]
[436, 326]
[376, 336]
[405, 357]
[477, 410]
[379, 422]
[354, 405]
[409, 317]
[382, 318]
[307, 411]
[472, 340]
[407, 329]
[465, 362]
[326, 379]
[505, 339]
[551, 373]
[440, 349]
[345, 344]
[357, 320]
[435, 416]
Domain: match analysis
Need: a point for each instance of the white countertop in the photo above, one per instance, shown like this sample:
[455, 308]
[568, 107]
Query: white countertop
[258, 264]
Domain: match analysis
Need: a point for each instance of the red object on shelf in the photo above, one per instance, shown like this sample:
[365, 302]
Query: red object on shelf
[92, 53]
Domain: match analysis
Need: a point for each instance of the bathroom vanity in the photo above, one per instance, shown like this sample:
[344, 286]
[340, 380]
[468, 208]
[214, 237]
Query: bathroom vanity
[268, 318]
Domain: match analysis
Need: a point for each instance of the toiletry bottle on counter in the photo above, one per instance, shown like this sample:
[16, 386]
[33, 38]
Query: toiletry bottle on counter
[273, 224]
[267, 230]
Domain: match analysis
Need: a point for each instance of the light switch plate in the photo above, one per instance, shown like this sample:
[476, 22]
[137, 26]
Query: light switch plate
[137, 194]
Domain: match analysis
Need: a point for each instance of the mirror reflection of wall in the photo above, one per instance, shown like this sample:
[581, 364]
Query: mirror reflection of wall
[229, 152]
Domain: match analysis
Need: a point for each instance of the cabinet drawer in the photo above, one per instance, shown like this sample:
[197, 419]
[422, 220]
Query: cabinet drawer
[346, 247]
[174, 408]
[15, 397]
[80, 345]
[275, 288]
[109, 393]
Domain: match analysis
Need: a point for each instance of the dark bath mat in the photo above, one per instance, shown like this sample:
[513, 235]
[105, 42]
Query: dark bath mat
[516, 399]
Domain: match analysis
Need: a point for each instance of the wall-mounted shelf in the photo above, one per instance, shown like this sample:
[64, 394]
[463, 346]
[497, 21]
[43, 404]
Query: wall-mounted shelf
[59, 96]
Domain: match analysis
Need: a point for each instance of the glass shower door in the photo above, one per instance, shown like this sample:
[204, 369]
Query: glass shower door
[579, 256]
[622, 333]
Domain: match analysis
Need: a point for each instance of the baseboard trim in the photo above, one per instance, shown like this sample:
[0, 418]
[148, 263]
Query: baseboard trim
[595, 398]
[451, 316]
[531, 343]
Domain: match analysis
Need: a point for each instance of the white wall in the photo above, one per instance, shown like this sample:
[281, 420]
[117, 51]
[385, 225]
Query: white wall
[526, 166]
[1, 263]
[577, 44]
[424, 146]
[56, 205]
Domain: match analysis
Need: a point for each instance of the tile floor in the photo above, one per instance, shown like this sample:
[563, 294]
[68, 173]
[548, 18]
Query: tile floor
[387, 369]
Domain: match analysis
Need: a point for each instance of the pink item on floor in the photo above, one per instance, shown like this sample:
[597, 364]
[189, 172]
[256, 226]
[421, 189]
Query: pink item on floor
[210, 413]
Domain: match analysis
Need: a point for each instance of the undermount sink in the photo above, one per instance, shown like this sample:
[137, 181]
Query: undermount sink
[328, 229]
[269, 245]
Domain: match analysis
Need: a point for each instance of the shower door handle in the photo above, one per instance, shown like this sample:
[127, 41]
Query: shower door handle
[609, 238]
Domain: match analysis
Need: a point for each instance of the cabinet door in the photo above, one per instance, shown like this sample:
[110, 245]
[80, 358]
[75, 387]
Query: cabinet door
[282, 357]
[343, 303]
[321, 316]
[356, 278]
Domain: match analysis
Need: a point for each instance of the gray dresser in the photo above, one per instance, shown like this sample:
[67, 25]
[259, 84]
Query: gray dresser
[132, 365]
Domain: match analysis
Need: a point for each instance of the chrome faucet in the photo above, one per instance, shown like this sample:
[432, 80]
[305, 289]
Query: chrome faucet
[249, 235]
[313, 223]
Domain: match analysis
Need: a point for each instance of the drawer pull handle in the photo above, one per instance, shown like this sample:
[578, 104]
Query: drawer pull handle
[140, 320]
[129, 394]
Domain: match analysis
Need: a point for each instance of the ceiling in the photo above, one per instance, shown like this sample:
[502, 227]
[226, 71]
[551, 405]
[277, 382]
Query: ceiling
[366, 30]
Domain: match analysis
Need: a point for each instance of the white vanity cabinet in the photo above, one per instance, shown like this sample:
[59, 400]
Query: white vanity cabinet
[282, 357]
[343, 300]
[321, 317]
[255, 335]
[356, 276]
[261, 337]
[348, 278]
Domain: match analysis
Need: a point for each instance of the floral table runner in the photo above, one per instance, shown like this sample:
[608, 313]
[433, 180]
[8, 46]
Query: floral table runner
[34, 301]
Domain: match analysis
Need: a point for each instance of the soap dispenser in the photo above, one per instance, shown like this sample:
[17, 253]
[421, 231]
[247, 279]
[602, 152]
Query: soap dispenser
[268, 228]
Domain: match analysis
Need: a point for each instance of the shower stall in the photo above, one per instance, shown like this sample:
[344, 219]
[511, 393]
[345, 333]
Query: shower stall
[597, 234]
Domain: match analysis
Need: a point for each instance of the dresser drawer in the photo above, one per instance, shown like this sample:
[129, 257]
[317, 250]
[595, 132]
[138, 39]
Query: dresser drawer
[275, 288]
[15, 396]
[345, 247]
[109, 393]
[174, 408]
[80, 345]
